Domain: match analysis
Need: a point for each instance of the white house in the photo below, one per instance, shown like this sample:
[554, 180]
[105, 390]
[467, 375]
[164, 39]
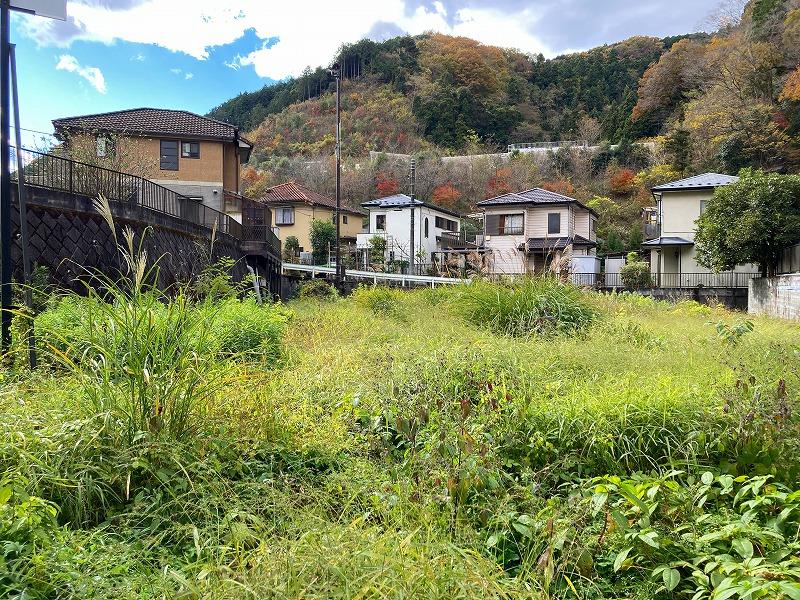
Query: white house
[672, 254]
[390, 218]
[527, 232]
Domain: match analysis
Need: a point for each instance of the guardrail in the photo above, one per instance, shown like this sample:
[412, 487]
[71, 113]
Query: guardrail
[66, 175]
[375, 276]
[547, 145]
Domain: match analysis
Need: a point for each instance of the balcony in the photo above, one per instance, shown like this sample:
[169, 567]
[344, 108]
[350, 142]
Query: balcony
[460, 240]
[651, 231]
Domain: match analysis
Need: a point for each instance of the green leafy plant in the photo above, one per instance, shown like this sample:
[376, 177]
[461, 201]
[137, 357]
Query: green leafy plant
[530, 306]
[323, 240]
[635, 273]
[291, 248]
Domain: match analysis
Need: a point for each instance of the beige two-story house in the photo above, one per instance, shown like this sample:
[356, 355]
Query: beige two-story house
[296, 206]
[193, 155]
[672, 253]
[538, 231]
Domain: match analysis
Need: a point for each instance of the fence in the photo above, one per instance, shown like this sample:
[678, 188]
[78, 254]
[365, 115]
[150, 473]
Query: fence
[73, 177]
[547, 145]
[728, 279]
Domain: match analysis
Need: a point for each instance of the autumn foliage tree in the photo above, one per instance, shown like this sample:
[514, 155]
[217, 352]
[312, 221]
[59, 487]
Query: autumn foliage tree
[499, 183]
[559, 186]
[622, 182]
[385, 184]
[446, 195]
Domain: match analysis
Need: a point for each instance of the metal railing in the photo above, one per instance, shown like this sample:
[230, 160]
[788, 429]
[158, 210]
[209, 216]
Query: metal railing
[263, 234]
[728, 279]
[547, 145]
[459, 239]
[73, 177]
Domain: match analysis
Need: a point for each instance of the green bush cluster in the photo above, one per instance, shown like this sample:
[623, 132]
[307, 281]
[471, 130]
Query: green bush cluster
[530, 306]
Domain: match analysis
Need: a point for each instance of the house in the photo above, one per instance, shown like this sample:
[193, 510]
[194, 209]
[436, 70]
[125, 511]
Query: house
[390, 218]
[536, 231]
[193, 155]
[296, 206]
[672, 252]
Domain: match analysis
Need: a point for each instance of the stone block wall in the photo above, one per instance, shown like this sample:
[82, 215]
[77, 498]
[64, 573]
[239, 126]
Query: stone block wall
[71, 239]
[775, 296]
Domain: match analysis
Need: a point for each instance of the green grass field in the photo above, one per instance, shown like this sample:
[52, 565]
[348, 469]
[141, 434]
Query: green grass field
[529, 441]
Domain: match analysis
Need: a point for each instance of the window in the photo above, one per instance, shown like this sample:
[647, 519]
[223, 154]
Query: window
[105, 146]
[594, 225]
[504, 224]
[426, 227]
[703, 206]
[284, 215]
[190, 150]
[344, 219]
[169, 155]
[380, 222]
[446, 224]
[553, 223]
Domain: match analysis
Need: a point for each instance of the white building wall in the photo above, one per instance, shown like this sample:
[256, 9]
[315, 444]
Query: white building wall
[398, 230]
[679, 212]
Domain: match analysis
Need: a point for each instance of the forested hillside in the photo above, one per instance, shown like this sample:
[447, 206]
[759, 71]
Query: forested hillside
[459, 90]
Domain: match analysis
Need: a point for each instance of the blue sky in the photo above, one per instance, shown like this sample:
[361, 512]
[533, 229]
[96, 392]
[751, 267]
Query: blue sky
[194, 54]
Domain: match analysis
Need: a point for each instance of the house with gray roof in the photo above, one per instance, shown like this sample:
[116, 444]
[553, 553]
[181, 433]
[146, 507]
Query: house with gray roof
[672, 253]
[539, 231]
[390, 218]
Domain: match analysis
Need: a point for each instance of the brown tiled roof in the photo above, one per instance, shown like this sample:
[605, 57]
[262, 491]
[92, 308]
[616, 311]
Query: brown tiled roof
[157, 121]
[294, 192]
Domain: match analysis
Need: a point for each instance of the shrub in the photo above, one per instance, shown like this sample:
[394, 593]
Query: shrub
[323, 240]
[216, 282]
[291, 248]
[317, 288]
[635, 273]
[530, 306]
[382, 301]
[247, 330]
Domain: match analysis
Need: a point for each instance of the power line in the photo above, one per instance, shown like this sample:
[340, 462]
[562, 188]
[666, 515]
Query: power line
[37, 131]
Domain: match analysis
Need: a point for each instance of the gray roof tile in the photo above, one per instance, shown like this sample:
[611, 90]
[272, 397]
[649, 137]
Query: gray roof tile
[698, 182]
[533, 196]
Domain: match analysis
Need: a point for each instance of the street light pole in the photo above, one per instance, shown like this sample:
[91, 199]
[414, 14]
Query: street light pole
[5, 179]
[413, 178]
[337, 74]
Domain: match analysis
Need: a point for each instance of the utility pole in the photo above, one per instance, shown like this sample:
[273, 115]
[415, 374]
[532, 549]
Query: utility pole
[337, 74]
[413, 177]
[53, 9]
[5, 179]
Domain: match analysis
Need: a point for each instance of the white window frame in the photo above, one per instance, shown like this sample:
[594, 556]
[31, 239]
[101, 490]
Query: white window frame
[280, 215]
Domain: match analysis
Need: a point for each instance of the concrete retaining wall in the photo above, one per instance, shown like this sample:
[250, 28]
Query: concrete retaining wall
[775, 297]
[734, 298]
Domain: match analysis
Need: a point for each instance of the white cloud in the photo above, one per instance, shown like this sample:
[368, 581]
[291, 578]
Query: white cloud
[188, 76]
[308, 31]
[67, 62]
[139, 57]
[176, 71]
